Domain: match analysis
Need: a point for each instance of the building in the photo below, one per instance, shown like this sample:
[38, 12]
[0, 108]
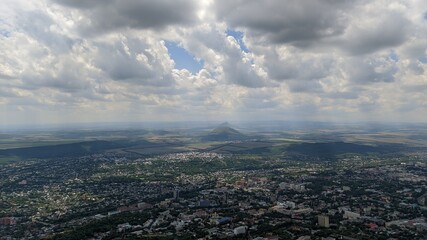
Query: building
[323, 221]
[176, 194]
[351, 215]
[240, 230]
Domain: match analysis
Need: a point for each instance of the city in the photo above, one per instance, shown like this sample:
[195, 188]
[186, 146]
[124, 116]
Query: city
[211, 195]
[213, 119]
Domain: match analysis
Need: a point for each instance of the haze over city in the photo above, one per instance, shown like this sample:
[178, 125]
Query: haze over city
[65, 61]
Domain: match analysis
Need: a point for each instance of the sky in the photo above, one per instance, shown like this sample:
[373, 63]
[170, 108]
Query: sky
[71, 61]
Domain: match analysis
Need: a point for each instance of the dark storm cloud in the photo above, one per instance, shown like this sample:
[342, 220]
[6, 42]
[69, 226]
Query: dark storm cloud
[296, 21]
[109, 15]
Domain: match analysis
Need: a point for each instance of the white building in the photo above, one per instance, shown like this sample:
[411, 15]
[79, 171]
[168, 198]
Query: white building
[351, 215]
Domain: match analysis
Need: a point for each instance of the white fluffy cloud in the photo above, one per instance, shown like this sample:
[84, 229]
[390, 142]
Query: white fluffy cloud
[65, 61]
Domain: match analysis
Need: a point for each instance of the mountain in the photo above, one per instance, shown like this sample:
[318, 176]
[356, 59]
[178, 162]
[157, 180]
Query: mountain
[223, 133]
[225, 124]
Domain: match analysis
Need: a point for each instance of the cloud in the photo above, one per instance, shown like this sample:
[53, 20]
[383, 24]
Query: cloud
[297, 22]
[260, 98]
[223, 56]
[386, 30]
[284, 63]
[371, 69]
[356, 27]
[236, 70]
[106, 60]
[102, 16]
[136, 60]
[38, 25]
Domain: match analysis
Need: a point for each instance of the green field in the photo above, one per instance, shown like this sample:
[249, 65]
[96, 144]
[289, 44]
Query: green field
[4, 144]
[8, 160]
[328, 142]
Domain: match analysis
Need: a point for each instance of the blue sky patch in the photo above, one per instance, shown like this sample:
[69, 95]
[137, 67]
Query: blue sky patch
[393, 56]
[183, 59]
[4, 33]
[239, 38]
[423, 59]
[425, 15]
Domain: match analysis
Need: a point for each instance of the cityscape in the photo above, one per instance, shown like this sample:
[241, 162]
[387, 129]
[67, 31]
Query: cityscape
[213, 119]
[224, 189]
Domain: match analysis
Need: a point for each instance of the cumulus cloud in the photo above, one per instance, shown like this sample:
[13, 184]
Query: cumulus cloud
[378, 30]
[358, 27]
[104, 16]
[223, 56]
[237, 70]
[134, 60]
[299, 66]
[107, 60]
[297, 22]
[372, 69]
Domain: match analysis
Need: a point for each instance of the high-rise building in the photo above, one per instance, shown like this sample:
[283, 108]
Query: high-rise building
[323, 221]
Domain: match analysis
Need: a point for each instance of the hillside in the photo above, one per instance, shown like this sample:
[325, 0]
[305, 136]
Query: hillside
[224, 133]
[62, 150]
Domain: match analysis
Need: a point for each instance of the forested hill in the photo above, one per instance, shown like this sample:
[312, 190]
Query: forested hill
[62, 150]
